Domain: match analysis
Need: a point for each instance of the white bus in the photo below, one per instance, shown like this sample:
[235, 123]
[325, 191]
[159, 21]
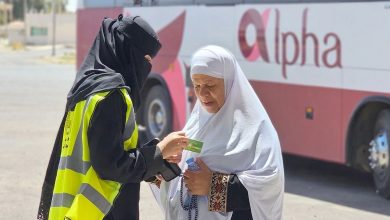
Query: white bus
[321, 69]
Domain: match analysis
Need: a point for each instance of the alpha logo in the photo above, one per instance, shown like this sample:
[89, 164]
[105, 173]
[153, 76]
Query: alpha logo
[289, 47]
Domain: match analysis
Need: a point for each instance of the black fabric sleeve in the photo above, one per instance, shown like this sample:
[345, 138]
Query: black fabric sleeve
[237, 195]
[105, 137]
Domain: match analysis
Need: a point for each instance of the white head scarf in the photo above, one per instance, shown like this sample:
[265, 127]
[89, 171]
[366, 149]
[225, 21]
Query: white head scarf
[239, 139]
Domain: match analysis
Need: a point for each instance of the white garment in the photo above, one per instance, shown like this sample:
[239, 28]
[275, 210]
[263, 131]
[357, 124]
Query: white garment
[238, 139]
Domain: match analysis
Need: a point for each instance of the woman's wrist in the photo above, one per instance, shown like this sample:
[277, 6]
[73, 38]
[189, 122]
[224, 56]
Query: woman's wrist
[156, 182]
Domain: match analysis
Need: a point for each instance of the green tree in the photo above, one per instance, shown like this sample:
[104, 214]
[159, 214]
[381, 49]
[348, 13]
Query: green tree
[60, 5]
[18, 9]
[35, 5]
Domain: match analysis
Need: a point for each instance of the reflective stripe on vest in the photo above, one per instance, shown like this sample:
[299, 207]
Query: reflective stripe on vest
[79, 193]
[65, 200]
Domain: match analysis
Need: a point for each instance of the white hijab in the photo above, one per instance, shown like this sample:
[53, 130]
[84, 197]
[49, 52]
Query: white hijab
[239, 139]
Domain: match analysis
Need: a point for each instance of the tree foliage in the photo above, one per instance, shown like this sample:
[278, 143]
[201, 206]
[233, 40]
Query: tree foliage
[36, 6]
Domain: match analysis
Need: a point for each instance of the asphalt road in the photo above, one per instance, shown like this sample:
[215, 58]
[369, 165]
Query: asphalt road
[32, 97]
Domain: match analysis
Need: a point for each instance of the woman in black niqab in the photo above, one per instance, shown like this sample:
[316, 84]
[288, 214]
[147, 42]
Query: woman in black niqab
[115, 60]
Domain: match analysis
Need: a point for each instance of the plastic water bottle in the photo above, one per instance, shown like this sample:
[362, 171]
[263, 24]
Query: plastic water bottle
[192, 165]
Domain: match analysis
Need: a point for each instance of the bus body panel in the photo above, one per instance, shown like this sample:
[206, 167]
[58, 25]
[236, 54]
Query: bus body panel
[325, 57]
[89, 21]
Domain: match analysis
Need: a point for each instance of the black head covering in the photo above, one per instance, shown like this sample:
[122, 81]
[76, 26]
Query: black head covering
[116, 59]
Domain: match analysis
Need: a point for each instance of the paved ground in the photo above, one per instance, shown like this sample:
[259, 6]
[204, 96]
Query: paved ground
[32, 97]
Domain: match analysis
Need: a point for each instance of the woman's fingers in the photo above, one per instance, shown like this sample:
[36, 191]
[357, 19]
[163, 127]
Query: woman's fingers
[181, 138]
[159, 177]
[189, 177]
[173, 161]
[174, 158]
[188, 188]
[199, 181]
[192, 186]
[173, 144]
[180, 133]
[182, 141]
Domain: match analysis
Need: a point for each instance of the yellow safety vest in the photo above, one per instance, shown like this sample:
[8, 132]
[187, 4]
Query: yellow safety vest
[78, 192]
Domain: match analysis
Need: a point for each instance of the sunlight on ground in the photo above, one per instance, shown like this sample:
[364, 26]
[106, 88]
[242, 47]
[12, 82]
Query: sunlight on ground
[66, 58]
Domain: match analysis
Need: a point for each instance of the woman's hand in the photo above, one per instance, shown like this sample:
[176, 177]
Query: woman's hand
[173, 144]
[174, 158]
[198, 182]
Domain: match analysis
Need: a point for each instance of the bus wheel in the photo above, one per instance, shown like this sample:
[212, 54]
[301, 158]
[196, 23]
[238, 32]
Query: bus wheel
[379, 154]
[157, 113]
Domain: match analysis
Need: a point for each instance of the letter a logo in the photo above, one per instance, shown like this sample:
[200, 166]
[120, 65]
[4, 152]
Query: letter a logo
[259, 48]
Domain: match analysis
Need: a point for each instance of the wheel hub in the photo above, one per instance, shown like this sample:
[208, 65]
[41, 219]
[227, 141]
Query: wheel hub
[156, 117]
[379, 153]
[159, 117]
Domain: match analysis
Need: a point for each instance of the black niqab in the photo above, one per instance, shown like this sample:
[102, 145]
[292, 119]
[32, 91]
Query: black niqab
[116, 59]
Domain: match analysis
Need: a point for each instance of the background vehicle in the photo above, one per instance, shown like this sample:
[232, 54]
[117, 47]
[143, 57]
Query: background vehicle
[321, 68]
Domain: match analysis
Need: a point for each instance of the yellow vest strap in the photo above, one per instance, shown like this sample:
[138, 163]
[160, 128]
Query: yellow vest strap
[75, 162]
[66, 200]
[130, 126]
[95, 197]
[62, 200]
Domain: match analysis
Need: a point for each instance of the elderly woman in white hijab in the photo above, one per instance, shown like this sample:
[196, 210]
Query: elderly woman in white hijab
[240, 169]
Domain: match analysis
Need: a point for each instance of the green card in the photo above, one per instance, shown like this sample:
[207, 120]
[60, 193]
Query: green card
[194, 145]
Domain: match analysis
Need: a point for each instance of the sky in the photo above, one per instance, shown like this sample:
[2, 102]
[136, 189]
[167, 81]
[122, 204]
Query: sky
[72, 5]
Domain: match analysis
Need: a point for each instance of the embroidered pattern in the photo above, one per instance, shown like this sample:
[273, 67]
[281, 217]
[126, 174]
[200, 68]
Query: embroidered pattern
[218, 192]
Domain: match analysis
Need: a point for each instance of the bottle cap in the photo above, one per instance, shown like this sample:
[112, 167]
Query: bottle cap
[190, 160]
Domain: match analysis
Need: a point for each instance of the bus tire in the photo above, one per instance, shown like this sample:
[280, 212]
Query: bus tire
[157, 113]
[381, 172]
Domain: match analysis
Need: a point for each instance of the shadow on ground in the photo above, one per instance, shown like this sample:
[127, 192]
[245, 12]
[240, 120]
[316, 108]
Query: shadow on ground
[333, 183]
